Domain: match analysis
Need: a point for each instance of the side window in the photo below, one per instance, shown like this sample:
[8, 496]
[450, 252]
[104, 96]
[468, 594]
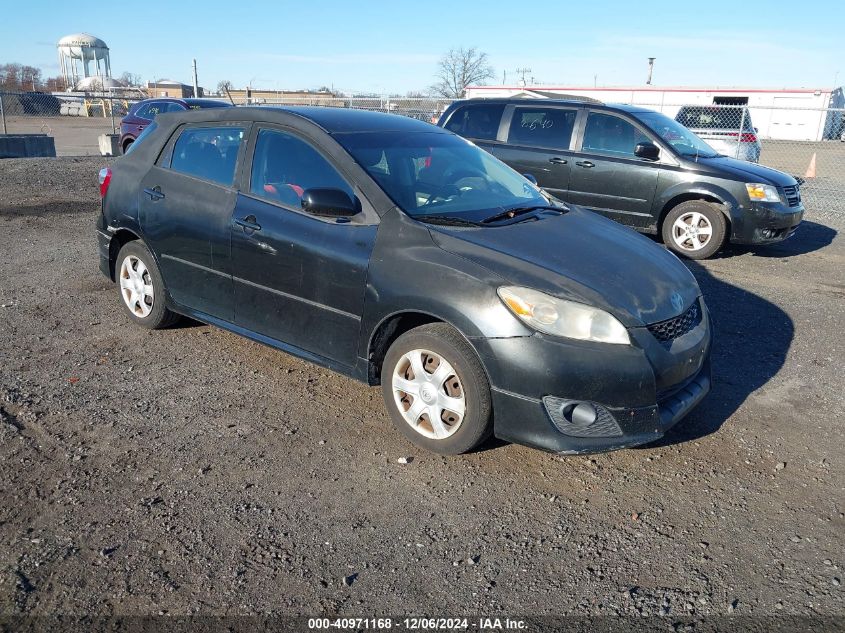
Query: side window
[608, 134]
[542, 127]
[479, 121]
[172, 106]
[155, 108]
[142, 112]
[285, 166]
[209, 153]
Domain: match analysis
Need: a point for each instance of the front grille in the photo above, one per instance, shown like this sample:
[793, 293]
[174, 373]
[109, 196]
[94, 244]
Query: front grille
[793, 195]
[670, 329]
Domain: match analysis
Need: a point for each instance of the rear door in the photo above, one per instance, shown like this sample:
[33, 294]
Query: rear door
[299, 278]
[539, 142]
[185, 209]
[606, 175]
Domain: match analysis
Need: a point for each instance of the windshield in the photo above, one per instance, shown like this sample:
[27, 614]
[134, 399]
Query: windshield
[436, 174]
[680, 138]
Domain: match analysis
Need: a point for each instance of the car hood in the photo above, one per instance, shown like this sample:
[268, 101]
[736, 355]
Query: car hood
[747, 172]
[582, 257]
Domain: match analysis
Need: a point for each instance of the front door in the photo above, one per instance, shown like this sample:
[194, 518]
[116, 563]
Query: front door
[185, 208]
[298, 279]
[606, 175]
[538, 143]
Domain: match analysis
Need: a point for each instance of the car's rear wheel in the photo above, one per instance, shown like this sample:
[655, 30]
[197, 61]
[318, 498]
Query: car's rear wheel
[127, 145]
[695, 229]
[436, 390]
[141, 287]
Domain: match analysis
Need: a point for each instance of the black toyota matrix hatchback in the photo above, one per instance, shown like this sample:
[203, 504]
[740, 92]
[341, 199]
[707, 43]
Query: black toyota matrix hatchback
[400, 254]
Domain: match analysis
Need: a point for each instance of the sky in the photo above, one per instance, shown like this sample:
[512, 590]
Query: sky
[394, 47]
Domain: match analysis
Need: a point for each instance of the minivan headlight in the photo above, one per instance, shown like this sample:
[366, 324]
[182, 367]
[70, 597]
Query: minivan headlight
[762, 193]
[563, 318]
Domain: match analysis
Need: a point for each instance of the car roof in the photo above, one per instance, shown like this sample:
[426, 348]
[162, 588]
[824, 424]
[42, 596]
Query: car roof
[569, 102]
[333, 120]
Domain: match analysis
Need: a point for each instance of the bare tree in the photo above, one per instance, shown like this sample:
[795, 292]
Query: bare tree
[223, 86]
[459, 68]
[130, 79]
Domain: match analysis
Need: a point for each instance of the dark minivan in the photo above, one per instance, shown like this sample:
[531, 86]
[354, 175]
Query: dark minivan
[401, 254]
[636, 166]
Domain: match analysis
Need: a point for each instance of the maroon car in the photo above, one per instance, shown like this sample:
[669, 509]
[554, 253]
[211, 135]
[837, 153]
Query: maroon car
[142, 113]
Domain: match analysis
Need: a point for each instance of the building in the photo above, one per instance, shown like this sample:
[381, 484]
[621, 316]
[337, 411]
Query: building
[170, 88]
[288, 97]
[796, 114]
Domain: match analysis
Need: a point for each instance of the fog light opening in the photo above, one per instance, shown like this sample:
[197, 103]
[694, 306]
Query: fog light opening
[580, 413]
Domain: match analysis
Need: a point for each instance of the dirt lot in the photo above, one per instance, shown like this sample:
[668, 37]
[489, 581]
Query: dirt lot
[192, 471]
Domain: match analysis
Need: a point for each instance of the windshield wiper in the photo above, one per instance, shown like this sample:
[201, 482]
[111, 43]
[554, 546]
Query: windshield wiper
[507, 214]
[446, 220]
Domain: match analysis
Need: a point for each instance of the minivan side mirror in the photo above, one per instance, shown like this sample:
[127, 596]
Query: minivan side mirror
[530, 178]
[647, 151]
[332, 203]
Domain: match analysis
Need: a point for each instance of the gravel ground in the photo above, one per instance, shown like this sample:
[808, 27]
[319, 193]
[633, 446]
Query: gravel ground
[192, 471]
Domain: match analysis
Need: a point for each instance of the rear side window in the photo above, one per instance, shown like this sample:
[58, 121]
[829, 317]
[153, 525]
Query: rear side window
[285, 166]
[728, 118]
[209, 153]
[608, 134]
[479, 121]
[542, 127]
[172, 106]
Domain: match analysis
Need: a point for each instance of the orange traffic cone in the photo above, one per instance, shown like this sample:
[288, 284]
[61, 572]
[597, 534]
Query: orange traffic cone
[811, 168]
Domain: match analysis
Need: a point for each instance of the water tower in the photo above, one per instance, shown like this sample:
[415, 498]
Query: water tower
[76, 54]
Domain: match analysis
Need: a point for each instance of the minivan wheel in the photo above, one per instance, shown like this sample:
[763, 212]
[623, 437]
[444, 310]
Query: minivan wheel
[127, 145]
[436, 391]
[141, 288]
[695, 229]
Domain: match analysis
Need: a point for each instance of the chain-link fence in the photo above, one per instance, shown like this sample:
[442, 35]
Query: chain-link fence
[804, 142]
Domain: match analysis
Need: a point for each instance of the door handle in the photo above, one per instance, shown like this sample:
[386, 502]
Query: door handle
[585, 163]
[248, 223]
[557, 160]
[155, 193]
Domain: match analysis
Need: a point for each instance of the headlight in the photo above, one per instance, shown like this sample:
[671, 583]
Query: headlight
[762, 193]
[563, 318]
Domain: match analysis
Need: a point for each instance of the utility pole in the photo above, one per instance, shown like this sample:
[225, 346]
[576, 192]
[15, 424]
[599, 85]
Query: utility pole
[196, 87]
[650, 69]
[522, 72]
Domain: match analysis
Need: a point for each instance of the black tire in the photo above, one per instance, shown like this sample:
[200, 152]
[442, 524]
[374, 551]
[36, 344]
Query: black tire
[441, 339]
[159, 316]
[685, 245]
[126, 146]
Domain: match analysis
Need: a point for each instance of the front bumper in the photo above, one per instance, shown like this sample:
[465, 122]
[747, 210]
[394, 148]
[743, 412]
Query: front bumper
[641, 390]
[765, 223]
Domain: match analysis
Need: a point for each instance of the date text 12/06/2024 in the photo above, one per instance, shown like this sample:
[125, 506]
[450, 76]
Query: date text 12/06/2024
[418, 624]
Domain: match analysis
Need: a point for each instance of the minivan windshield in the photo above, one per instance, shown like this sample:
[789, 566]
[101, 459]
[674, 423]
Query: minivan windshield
[680, 138]
[436, 174]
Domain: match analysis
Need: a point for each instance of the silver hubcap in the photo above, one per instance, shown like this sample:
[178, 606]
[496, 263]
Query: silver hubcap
[692, 231]
[429, 394]
[136, 286]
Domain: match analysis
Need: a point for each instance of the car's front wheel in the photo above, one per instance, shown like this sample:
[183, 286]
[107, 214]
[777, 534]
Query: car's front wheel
[695, 229]
[141, 287]
[436, 390]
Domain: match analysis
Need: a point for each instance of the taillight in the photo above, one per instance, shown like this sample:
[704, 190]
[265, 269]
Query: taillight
[748, 137]
[104, 178]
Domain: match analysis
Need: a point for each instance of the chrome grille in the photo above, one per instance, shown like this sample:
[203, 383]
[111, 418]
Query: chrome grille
[670, 329]
[793, 195]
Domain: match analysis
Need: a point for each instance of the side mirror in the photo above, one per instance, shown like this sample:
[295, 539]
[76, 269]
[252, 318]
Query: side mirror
[333, 203]
[530, 178]
[647, 151]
